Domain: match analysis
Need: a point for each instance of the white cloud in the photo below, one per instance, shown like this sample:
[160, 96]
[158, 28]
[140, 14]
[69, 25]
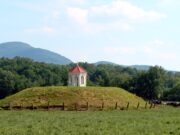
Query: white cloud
[78, 14]
[119, 15]
[127, 10]
[115, 15]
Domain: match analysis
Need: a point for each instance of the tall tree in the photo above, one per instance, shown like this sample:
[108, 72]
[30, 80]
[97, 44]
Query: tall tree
[150, 85]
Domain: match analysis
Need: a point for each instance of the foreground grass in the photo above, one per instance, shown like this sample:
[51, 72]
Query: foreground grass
[164, 121]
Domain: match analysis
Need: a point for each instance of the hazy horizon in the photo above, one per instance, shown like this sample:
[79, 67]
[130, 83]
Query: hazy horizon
[125, 32]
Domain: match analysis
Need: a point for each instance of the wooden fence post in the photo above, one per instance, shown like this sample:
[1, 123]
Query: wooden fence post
[63, 107]
[102, 107]
[116, 105]
[138, 105]
[75, 106]
[87, 106]
[151, 106]
[22, 105]
[32, 106]
[10, 107]
[48, 106]
[127, 106]
[146, 105]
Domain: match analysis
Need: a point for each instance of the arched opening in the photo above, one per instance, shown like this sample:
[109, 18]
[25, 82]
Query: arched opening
[70, 80]
[77, 81]
[82, 79]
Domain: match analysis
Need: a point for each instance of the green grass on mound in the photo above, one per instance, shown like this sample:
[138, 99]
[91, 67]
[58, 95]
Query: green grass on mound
[41, 96]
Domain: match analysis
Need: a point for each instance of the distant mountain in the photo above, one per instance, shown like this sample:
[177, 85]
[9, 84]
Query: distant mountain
[104, 63]
[138, 67]
[141, 67]
[13, 49]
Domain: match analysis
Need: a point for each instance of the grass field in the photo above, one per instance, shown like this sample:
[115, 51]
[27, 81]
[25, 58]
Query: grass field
[161, 121]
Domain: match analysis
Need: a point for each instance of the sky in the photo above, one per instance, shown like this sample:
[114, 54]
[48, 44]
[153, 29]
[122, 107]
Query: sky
[125, 32]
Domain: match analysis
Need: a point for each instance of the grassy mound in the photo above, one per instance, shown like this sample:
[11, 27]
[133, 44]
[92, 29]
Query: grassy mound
[95, 96]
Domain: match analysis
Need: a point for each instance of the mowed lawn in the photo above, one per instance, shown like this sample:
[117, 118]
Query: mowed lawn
[163, 121]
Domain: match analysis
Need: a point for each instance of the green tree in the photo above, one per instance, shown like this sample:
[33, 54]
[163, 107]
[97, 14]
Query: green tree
[173, 94]
[7, 83]
[150, 85]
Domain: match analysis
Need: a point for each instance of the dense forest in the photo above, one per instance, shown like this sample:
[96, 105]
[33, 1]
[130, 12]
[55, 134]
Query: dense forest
[156, 83]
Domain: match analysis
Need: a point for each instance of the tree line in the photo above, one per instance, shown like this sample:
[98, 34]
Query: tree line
[19, 73]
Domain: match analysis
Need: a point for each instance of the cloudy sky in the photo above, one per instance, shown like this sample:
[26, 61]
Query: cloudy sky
[126, 32]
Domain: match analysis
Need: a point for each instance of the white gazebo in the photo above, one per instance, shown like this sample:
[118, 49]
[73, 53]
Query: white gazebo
[77, 77]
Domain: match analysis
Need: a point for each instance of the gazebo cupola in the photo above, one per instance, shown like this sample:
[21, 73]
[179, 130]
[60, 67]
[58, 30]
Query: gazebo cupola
[77, 77]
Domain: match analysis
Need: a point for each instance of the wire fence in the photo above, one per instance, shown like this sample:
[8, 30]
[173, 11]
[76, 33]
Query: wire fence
[77, 107]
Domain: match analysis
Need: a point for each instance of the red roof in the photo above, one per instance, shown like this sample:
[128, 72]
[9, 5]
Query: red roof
[77, 69]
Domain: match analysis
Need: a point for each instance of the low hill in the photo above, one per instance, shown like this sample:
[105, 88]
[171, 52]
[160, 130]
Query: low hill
[40, 96]
[104, 63]
[141, 67]
[13, 49]
[138, 67]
